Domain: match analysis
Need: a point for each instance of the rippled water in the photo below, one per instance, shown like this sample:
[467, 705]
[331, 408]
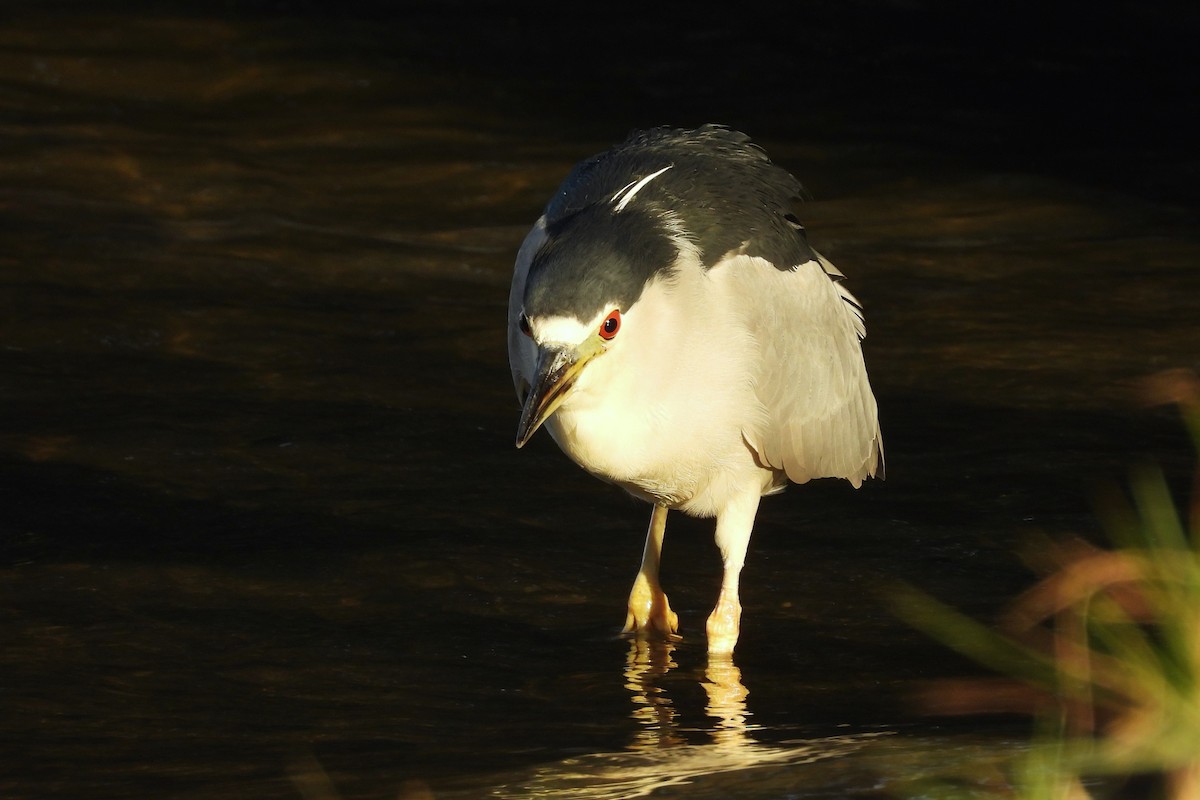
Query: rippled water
[265, 533]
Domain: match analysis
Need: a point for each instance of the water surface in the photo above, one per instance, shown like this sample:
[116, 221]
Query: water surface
[265, 533]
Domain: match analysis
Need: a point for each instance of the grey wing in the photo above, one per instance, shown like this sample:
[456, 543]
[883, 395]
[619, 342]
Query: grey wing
[522, 353]
[821, 419]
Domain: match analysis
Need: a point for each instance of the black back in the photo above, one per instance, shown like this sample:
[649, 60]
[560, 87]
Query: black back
[721, 189]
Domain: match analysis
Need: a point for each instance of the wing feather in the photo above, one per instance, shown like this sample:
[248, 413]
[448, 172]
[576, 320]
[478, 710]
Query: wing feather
[820, 417]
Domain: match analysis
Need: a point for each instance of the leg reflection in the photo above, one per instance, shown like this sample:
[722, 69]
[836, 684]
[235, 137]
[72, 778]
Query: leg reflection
[727, 703]
[664, 754]
[645, 666]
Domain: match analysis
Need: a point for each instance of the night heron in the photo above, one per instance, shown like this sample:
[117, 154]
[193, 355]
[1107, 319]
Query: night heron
[673, 330]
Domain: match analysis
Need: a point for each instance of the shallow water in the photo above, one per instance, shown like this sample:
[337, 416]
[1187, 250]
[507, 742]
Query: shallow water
[265, 533]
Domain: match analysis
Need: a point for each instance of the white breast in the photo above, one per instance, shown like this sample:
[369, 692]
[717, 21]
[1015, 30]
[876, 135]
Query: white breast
[663, 413]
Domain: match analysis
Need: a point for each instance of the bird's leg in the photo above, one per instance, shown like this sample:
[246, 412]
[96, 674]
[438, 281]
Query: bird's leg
[648, 607]
[734, 526]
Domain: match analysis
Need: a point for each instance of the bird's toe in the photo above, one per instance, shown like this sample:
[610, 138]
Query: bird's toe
[649, 611]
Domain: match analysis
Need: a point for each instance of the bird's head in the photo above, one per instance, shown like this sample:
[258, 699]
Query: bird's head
[583, 305]
[565, 348]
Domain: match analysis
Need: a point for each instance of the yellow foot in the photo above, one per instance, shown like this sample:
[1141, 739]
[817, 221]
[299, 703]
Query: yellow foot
[723, 625]
[649, 611]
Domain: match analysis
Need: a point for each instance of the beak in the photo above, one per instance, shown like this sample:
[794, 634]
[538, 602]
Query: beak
[554, 378]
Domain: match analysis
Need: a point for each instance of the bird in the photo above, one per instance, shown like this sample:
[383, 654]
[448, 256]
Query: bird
[672, 329]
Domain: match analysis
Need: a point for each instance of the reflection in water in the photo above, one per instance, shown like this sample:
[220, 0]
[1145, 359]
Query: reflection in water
[727, 704]
[647, 663]
[660, 758]
[646, 667]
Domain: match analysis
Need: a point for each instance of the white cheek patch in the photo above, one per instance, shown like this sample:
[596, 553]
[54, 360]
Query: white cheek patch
[567, 330]
[563, 330]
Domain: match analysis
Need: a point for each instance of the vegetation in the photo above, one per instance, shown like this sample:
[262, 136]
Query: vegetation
[1104, 651]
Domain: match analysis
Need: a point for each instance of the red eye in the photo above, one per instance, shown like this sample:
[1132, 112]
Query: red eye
[611, 324]
[523, 324]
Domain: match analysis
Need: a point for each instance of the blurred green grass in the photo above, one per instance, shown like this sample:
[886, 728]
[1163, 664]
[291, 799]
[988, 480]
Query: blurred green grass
[1103, 652]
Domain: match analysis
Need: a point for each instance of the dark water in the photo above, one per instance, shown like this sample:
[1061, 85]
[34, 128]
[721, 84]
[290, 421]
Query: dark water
[264, 532]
